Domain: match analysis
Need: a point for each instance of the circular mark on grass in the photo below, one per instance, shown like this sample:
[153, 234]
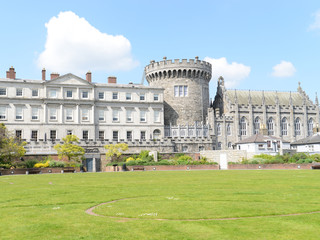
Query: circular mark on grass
[122, 218]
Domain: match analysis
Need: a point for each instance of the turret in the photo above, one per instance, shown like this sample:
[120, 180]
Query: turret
[186, 88]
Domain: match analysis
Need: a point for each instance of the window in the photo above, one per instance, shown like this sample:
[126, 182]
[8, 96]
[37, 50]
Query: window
[52, 93]
[243, 126]
[297, 129]
[19, 92]
[129, 135]
[284, 127]
[184, 148]
[3, 91]
[115, 115]
[219, 129]
[19, 134]
[35, 113]
[69, 114]
[85, 94]
[101, 115]
[114, 95]
[101, 95]
[270, 126]
[156, 134]
[229, 129]
[35, 92]
[85, 115]
[256, 125]
[128, 96]
[3, 113]
[143, 117]
[34, 135]
[53, 114]
[278, 144]
[310, 127]
[129, 115]
[69, 132]
[19, 113]
[142, 97]
[219, 145]
[180, 91]
[155, 97]
[69, 93]
[156, 116]
[201, 148]
[115, 136]
[53, 134]
[268, 144]
[143, 135]
[260, 146]
[85, 134]
[101, 135]
[230, 145]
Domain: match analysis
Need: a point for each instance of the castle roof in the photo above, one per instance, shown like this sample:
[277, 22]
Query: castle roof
[269, 97]
[308, 140]
[259, 138]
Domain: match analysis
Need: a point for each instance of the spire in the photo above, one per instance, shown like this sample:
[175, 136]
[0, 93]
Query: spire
[317, 101]
[263, 99]
[290, 99]
[299, 87]
[221, 81]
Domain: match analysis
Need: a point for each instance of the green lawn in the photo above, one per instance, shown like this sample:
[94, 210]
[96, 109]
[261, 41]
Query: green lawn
[190, 204]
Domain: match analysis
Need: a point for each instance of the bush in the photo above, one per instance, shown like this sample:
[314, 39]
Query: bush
[5, 165]
[30, 163]
[144, 155]
[129, 159]
[56, 164]
[42, 165]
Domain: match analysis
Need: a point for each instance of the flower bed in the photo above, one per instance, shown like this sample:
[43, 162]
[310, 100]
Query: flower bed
[38, 170]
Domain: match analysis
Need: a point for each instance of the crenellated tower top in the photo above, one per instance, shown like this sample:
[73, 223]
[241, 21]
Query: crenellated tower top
[184, 68]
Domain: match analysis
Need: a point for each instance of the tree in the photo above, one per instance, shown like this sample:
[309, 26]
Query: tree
[114, 151]
[11, 147]
[69, 149]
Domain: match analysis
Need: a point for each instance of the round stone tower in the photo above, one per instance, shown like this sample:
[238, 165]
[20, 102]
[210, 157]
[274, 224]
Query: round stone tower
[186, 89]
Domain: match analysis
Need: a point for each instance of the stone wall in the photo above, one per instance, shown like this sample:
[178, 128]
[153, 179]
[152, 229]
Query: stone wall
[232, 155]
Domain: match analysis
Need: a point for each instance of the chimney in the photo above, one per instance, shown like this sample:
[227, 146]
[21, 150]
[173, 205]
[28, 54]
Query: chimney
[11, 73]
[54, 75]
[88, 76]
[112, 79]
[43, 74]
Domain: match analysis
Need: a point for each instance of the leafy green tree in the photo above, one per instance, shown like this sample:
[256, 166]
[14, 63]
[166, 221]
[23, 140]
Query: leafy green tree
[114, 151]
[10, 147]
[69, 149]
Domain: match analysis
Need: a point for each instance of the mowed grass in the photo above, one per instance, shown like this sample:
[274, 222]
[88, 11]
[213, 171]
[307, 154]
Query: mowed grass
[191, 202]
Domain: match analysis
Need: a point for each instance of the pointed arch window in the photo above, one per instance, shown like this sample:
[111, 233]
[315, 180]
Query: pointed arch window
[256, 125]
[297, 127]
[243, 126]
[270, 126]
[284, 127]
[229, 129]
[219, 129]
[310, 127]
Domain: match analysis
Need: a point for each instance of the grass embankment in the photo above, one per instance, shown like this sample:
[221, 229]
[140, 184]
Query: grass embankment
[53, 206]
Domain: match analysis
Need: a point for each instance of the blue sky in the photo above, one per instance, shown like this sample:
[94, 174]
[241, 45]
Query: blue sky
[272, 44]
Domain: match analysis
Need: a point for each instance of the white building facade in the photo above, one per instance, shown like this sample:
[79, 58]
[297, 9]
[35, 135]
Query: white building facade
[40, 110]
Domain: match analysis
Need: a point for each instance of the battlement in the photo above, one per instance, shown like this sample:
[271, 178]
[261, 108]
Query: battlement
[184, 68]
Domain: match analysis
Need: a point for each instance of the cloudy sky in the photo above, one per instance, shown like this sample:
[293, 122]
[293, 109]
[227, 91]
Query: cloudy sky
[257, 45]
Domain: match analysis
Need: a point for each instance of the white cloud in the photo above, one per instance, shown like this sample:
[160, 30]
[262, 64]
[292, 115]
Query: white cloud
[73, 45]
[316, 23]
[232, 73]
[283, 69]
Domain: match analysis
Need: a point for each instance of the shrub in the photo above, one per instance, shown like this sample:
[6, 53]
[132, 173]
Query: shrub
[42, 165]
[56, 164]
[129, 159]
[30, 163]
[5, 165]
[144, 155]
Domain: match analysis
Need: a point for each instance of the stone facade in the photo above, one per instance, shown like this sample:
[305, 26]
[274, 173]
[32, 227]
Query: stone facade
[239, 114]
[186, 89]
